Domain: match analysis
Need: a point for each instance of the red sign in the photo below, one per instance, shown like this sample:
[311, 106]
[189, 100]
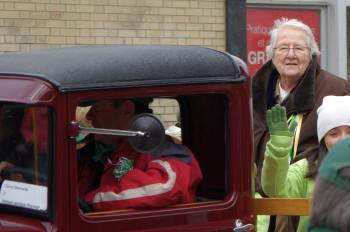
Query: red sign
[259, 23]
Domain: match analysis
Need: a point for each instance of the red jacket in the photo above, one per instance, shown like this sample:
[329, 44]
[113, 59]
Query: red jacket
[166, 177]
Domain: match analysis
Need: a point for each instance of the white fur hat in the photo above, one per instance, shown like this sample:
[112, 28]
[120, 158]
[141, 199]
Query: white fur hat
[334, 112]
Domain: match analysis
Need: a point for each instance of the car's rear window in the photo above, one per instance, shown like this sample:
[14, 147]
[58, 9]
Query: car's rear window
[24, 155]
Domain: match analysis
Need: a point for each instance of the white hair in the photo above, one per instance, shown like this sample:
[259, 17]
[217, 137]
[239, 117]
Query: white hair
[285, 22]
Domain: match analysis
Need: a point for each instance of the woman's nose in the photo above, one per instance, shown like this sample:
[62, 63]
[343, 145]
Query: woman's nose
[291, 52]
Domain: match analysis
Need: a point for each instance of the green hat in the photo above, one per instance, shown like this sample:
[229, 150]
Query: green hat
[336, 159]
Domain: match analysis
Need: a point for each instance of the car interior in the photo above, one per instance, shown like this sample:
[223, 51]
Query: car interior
[202, 122]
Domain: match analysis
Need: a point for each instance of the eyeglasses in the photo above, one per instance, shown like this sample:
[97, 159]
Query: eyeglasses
[298, 50]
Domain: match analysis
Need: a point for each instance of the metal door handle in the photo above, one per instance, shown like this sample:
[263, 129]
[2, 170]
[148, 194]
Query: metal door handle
[240, 227]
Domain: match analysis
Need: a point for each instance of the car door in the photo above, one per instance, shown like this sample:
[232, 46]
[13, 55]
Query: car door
[216, 126]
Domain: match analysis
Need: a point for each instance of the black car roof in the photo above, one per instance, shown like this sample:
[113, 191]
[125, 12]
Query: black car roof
[106, 66]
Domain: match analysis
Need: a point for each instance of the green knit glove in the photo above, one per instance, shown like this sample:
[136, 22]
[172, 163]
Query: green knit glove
[276, 119]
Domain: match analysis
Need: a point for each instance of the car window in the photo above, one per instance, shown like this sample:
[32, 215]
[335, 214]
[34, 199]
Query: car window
[24, 155]
[168, 111]
[204, 123]
[197, 122]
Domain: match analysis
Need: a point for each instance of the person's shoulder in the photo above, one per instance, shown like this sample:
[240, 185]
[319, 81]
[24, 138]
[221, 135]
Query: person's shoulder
[330, 77]
[302, 165]
[262, 73]
[301, 162]
[331, 84]
[169, 149]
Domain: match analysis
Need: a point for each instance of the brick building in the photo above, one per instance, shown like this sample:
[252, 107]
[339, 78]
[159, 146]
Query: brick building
[35, 24]
[31, 24]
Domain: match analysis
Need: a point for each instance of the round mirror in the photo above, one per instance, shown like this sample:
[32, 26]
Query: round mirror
[153, 129]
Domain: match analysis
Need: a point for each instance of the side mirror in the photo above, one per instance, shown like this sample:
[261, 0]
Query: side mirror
[153, 129]
[146, 132]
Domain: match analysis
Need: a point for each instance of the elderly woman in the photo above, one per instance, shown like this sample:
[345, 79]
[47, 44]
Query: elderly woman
[293, 78]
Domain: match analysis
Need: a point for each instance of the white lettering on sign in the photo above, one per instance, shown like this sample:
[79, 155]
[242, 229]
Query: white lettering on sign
[257, 57]
[258, 29]
[23, 195]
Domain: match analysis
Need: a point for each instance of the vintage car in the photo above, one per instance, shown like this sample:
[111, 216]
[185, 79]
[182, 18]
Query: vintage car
[41, 92]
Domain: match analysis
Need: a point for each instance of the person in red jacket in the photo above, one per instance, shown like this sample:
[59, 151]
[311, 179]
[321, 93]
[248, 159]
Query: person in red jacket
[130, 179]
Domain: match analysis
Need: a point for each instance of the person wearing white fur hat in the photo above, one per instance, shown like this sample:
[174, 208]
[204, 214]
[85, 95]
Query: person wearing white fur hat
[333, 119]
[279, 178]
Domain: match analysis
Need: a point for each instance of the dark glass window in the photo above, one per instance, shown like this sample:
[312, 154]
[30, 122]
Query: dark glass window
[24, 155]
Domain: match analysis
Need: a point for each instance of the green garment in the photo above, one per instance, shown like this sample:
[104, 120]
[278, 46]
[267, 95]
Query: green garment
[102, 151]
[280, 179]
[262, 221]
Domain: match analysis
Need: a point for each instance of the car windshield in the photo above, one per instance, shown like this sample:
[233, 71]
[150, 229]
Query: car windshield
[24, 154]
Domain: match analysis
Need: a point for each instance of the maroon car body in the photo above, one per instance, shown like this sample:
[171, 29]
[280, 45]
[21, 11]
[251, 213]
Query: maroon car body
[213, 93]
